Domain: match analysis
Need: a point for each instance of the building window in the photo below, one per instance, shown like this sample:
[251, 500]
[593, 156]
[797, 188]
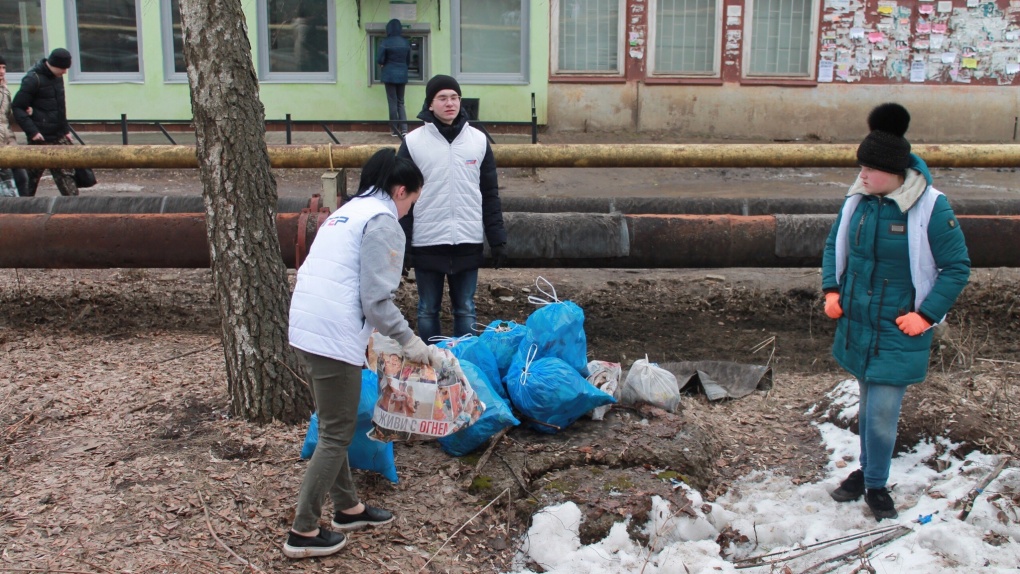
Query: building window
[588, 36]
[490, 41]
[174, 68]
[21, 35]
[296, 39]
[781, 34]
[685, 36]
[105, 41]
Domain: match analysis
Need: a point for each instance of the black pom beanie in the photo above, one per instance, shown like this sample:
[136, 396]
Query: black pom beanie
[437, 84]
[885, 148]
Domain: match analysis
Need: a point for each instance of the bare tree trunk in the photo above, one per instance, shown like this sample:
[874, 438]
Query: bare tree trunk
[239, 193]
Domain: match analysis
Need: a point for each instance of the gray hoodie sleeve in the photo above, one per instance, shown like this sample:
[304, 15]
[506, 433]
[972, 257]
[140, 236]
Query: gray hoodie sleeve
[382, 255]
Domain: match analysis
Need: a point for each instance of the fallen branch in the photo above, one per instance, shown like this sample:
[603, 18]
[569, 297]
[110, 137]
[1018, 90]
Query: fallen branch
[175, 357]
[976, 492]
[760, 560]
[859, 551]
[1003, 361]
[208, 523]
[518, 478]
[496, 438]
[506, 491]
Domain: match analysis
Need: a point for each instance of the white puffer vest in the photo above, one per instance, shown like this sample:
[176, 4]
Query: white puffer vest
[325, 312]
[449, 210]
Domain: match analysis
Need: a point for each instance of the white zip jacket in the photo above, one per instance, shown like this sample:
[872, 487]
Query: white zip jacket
[328, 308]
[449, 210]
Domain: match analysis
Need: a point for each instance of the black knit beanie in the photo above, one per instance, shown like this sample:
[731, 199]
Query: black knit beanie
[60, 58]
[885, 148]
[438, 84]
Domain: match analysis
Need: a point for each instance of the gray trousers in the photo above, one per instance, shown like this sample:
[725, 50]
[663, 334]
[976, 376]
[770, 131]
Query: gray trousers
[337, 389]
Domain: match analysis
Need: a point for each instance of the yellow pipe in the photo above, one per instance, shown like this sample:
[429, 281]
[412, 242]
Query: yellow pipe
[520, 155]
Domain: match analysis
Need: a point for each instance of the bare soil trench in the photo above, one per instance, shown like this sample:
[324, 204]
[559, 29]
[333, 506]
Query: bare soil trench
[118, 452]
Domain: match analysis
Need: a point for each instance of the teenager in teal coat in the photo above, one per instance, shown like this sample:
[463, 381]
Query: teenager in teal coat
[894, 263]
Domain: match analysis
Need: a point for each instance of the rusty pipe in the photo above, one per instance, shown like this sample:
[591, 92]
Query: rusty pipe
[520, 155]
[99, 241]
[535, 240]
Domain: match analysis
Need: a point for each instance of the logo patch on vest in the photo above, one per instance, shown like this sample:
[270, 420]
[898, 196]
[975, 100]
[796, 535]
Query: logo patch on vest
[471, 162]
[952, 223]
[897, 228]
[335, 220]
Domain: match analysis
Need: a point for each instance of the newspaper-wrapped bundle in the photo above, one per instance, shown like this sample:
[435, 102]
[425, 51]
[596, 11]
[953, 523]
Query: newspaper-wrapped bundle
[419, 400]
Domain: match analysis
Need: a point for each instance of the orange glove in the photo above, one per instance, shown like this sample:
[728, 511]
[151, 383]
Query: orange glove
[832, 308]
[912, 324]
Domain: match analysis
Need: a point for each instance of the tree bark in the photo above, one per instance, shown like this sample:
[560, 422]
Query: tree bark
[239, 193]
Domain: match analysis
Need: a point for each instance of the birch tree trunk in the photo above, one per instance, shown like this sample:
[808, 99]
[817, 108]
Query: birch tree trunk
[239, 194]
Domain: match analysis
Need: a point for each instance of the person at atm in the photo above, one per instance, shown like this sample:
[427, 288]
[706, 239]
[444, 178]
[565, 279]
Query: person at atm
[394, 55]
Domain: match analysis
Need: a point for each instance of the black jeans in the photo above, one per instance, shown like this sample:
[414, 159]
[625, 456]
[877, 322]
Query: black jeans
[395, 98]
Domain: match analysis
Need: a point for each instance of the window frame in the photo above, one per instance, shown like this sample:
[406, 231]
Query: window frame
[262, 33]
[75, 74]
[716, 71]
[14, 78]
[554, 46]
[748, 41]
[170, 75]
[522, 77]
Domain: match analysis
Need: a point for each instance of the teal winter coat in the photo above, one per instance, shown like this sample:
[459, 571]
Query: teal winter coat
[876, 285]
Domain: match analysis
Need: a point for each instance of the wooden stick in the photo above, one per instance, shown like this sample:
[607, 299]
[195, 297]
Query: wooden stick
[786, 555]
[850, 554]
[506, 491]
[969, 504]
[208, 523]
[999, 361]
[187, 354]
[488, 451]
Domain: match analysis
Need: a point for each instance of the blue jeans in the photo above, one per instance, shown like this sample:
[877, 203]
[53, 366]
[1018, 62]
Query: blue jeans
[878, 415]
[395, 100]
[430, 300]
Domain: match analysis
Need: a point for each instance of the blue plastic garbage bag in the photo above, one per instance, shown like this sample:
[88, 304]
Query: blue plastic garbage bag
[503, 338]
[551, 391]
[311, 437]
[364, 453]
[554, 330]
[471, 349]
[496, 417]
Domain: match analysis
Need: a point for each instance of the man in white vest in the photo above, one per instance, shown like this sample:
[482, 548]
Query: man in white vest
[458, 210]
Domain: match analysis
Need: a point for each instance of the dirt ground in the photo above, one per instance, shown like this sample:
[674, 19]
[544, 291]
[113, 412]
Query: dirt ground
[118, 452]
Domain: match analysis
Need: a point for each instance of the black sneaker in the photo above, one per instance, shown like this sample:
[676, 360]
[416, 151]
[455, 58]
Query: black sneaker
[880, 503]
[371, 516]
[322, 544]
[850, 489]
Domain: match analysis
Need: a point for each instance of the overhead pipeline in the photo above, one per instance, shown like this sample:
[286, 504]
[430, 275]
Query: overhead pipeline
[521, 155]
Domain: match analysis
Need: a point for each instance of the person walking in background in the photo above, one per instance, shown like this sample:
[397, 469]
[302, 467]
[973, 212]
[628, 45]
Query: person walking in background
[41, 111]
[345, 289]
[17, 175]
[394, 55]
[458, 209]
[894, 263]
